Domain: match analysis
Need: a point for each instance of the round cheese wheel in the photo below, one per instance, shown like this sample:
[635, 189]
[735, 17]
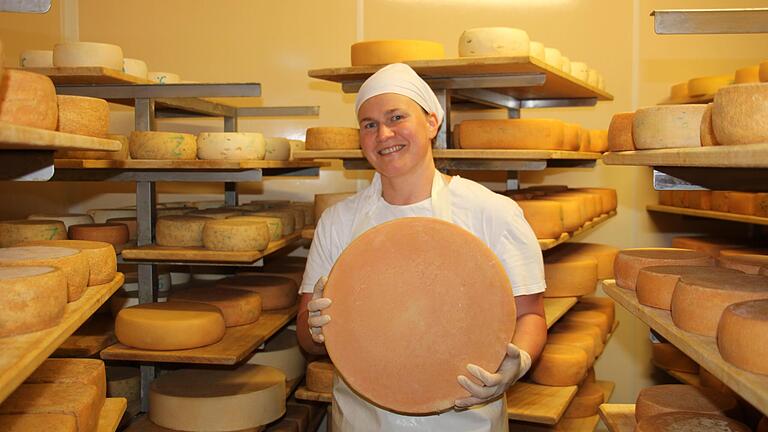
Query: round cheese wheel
[579, 340]
[750, 264]
[592, 77]
[235, 235]
[544, 217]
[239, 307]
[570, 275]
[560, 365]
[603, 305]
[494, 41]
[706, 131]
[215, 213]
[164, 77]
[130, 223]
[590, 330]
[287, 219]
[277, 149]
[298, 217]
[169, 326]
[565, 64]
[163, 146]
[571, 136]
[230, 146]
[591, 202]
[309, 211]
[608, 198]
[629, 262]
[583, 139]
[276, 292]
[598, 319]
[115, 234]
[67, 219]
[679, 91]
[742, 203]
[553, 57]
[742, 335]
[36, 59]
[135, 67]
[666, 355]
[668, 126]
[71, 370]
[620, 132]
[525, 134]
[749, 74]
[573, 210]
[72, 262]
[282, 351]
[459, 264]
[274, 225]
[33, 298]
[217, 400]
[580, 70]
[296, 146]
[210, 273]
[689, 422]
[738, 113]
[324, 201]
[320, 376]
[680, 397]
[656, 284]
[382, 52]
[102, 261]
[83, 116]
[82, 54]
[38, 422]
[102, 215]
[28, 99]
[587, 401]
[604, 254]
[709, 245]
[180, 230]
[699, 300]
[708, 85]
[13, 232]
[332, 138]
[598, 141]
[536, 50]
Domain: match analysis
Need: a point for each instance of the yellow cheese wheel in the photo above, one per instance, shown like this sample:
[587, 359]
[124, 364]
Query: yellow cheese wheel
[604, 254]
[620, 132]
[708, 85]
[667, 126]
[80, 401]
[679, 91]
[33, 298]
[590, 330]
[72, 370]
[83, 116]
[680, 397]
[287, 219]
[544, 217]
[656, 284]
[102, 261]
[382, 52]
[494, 41]
[235, 235]
[13, 232]
[324, 201]
[573, 218]
[603, 305]
[274, 224]
[592, 203]
[560, 365]
[82, 54]
[701, 200]
[332, 138]
[72, 262]
[276, 292]
[591, 317]
[583, 139]
[296, 146]
[320, 376]
[180, 230]
[231, 146]
[742, 335]
[536, 50]
[629, 262]
[739, 112]
[579, 340]
[238, 307]
[587, 401]
[530, 134]
[28, 99]
[162, 145]
[570, 275]
[742, 203]
[689, 422]
[36, 59]
[598, 140]
[130, 223]
[706, 131]
[571, 136]
[38, 422]
[282, 351]
[608, 198]
[666, 355]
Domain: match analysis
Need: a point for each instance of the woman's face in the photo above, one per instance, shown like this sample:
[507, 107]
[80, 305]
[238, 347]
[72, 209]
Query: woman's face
[396, 134]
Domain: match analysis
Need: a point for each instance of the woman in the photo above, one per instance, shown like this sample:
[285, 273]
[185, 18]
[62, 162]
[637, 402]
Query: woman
[399, 116]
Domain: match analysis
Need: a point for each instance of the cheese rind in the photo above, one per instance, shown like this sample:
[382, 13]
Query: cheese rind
[282, 351]
[629, 262]
[739, 112]
[180, 230]
[80, 401]
[320, 376]
[689, 422]
[667, 126]
[38, 422]
[749, 74]
[591, 317]
[679, 91]
[680, 397]
[72, 262]
[382, 52]
[708, 85]
[544, 217]
[274, 224]
[13, 232]
[656, 284]
[579, 340]
[36, 59]
[530, 134]
[163, 146]
[230, 146]
[67, 219]
[747, 263]
[494, 41]
[83, 54]
[590, 330]
[28, 99]
[569, 275]
[83, 116]
[130, 223]
[709, 245]
[278, 149]
[332, 138]
[586, 402]
[742, 335]
[135, 67]
[238, 307]
[620, 132]
[553, 57]
[560, 365]
[72, 370]
[276, 292]
[706, 131]
[603, 305]
[115, 234]
[33, 298]
[668, 356]
[235, 235]
[102, 261]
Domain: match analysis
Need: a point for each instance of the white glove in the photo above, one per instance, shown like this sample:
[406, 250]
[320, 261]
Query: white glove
[317, 304]
[515, 364]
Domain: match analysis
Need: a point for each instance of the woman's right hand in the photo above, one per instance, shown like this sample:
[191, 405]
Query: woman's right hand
[315, 306]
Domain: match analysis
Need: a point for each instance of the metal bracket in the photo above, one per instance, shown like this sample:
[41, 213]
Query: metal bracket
[26, 165]
[698, 178]
[487, 98]
[25, 6]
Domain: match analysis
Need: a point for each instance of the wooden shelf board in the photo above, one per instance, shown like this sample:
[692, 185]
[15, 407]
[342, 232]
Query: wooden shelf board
[462, 154]
[702, 349]
[304, 393]
[556, 307]
[21, 355]
[156, 253]
[142, 423]
[16, 137]
[537, 403]
[142, 164]
[547, 244]
[709, 214]
[97, 333]
[237, 343]
[111, 414]
[618, 417]
[88, 75]
[704, 99]
[740, 156]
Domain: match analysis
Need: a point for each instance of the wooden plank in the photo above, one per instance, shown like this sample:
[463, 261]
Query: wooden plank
[142, 423]
[618, 417]
[304, 393]
[156, 253]
[737, 156]
[237, 343]
[702, 349]
[93, 336]
[684, 377]
[88, 75]
[461, 154]
[16, 137]
[537, 403]
[709, 214]
[584, 424]
[146, 164]
[555, 308]
[547, 244]
[21, 355]
[111, 414]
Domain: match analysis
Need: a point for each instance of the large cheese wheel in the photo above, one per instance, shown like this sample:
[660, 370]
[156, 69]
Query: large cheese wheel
[36, 59]
[706, 131]
[666, 355]
[296, 146]
[163, 77]
[332, 138]
[620, 132]
[235, 235]
[101, 215]
[83, 116]
[33, 298]
[604, 254]
[115, 234]
[699, 300]
[571, 212]
[742, 335]
[135, 67]
[656, 284]
[544, 217]
[494, 41]
[630, 261]
[531, 134]
[80, 401]
[282, 351]
[749, 74]
[287, 219]
[382, 52]
[102, 261]
[750, 264]
[701, 200]
[667, 126]
[13, 232]
[215, 213]
[738, 114]
[230, 146]
[217, 400]
[570, 275]
[591, 317]
[72, 262]
[560, 365]
[125, 382]
[460, 267]
[679, 91]
[603, 305]
[276, 292]
[169, 326]
[38, 422]
[130, 223]
[28, 99]
[708, 85]
[590, 330]
[163, 145]
[320, 376]
[587, 401]
[592, 203]
[67, 219]
[66, 370]
[277, 149]
[689, 422]
[536, 50]
[579, 340]
[719, 201]
[608, 197]
[598, 141]
[180, 230]
[565, 64]
[239, 307]
[680, 397]
[324, 201]
[81, 54]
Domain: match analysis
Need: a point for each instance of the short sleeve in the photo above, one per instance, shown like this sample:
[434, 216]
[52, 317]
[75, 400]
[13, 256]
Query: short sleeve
[324, 250]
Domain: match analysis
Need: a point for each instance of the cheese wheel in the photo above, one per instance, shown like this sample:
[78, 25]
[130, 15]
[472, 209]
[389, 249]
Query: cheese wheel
[719, 201]
[287, 219]
[320, 376]
[544, 217]
[560, 365]
[180, 231]
[603, 305]
[699, 300]
[274, 224]
[569, 275]
[761, 208]
[749, 74]
[33, 298]
[309, 211]
[235, 235]
[620, 132]
[742, 335]
[169, 326]
[680, 397]
[102, 261]
[72, 262]
[656, 284]
[298, 217]
[565, 64]
[592, 77]
[215, 213]
[67, 370]
[130, 223]
[571, 136]
[708, 85]
[83, 54]
[591, 317]
[553, 57]
[282, 352]
[217, 400]
[230, 146]
[83, 116]
[590, 330]
[382, 52]
[494, 41]
[115, 234]
[666, 355]
[38, 422]
[530, 134]
[66, 219]
[277, 149]
[630, 261]
[592, 203]
[738, 113]
[36, 59]
[536, 50]
[679, 91]
[80, 401]
[276, 292]
[163, 145]
[665, 197]
[579, 70]
[13, 232]
[701, 200]
[706, 131]
[583, 139]
[135, 67]
[709, 245]
[689, 422]
[163, 77]
[239, 307]
[668, 126]
[587, 401]
[210, 273]
[324, 201]
[332, 138]
[571, 212]
[28, 99]
[742, 203]
[125, 382]
[743, 251]
[296, 146]
[121, 154]
[750, 264]
[100, 216]
[608, 198]
[604, 254]
[579, 340]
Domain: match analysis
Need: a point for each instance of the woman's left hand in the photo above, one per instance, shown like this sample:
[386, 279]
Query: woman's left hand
[516, 363]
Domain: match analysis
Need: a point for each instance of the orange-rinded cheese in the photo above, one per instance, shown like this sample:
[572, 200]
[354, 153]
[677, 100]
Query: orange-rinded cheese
[238, 307]
[707, 133]
[586, 402]
[598, 140]
[701, 200]
[742, 335]
[324, 201]
[747, 263]
[699, 300]
[583, 139]
[742, 203]
[115, 234]
[169, 326]
[33, 298]
[689, 422]
[630, 261]
[282, 351]
[738, 114]
[665, 197]
[382, 52]
[560, 365]
[494, 41]
[80, 401]
[72, 262]
[761, 208]
[83, 116]
[608, 197]
[604, 254]
[163, 145]
[579, 340]
[572, 216]
[570, 275]
[590, 317]
[656, 284]
[332, 138]
[320, 376]
[604, 305]
[235, 235]
[666, 355]
[571, 136]
[680, 397]
[67, 219]
[668, 126]
[743, 251]
[38, 422]
[28, 99]
[531, 134]
[274, 224]
[749, 74]
[180, 230]
[101, 215]
[593, 203]
[620, 132]
[763, 73]
[590, 330]
[130, 223]
[544, 217]
[679, 91]
[708, 85]
[13, 232]
[102, 261]
[72, 370]
[719, 200]
[276, 292]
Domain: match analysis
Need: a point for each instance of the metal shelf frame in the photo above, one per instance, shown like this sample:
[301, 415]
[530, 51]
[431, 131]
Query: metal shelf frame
[711, 21]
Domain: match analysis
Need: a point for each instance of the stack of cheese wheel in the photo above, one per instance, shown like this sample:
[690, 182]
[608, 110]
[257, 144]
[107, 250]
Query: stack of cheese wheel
[67, 219]
[570, 275]
[276, 292]
[494, 41]
[83, 116]
[590, 330]
[587, 401]
[115, 234]
[28, 99]
[736, 114]
[162, 145]
[382, 52]
[620, 132]
[554, 58]
[282, 352]
[679, 397]
[603, 305]
[102, 215]
[608, 198]
[72, 262]
[64, 370]
[320, 376]
[33, 298]
[84, 54]
[181, 231]
[629, 262]
[121, 154]
[238, 307]
[520, 134]
[13, 232]
[667, 126]
[579, 340]
[656, 284]
[274, 224]
[277, 149]
[742, 335]
[597, 318]
[332, 138]
[667, 356]
[689, 421]
[325, 201]
[571, 136]
[560, 365]
[598, 141]
[235, 235]
[102, 261]
[36, 59]
[707, 244]
[544, 217]
[230, 146]
[287, 219]
[572, 212]
[604, 254]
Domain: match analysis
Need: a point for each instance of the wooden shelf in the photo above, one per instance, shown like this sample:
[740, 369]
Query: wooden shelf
[111, 414]
[702, 349]
[21, 355]
[705, 99]
[142, 423]
[618, 417]
[192, 165]
[88, 75]
[537, 403]
[709, 214]
[584, 424]
[93, 336]
[304, 393]
[547, 244]
[737, 156]
[15, 137]
[237, 343]
[522, 155]
[555, 308]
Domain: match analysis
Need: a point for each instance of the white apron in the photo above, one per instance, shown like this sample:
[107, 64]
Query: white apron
[351, 413]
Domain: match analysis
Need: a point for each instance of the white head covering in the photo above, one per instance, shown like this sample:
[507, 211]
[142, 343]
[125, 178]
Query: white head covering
[399, 78]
